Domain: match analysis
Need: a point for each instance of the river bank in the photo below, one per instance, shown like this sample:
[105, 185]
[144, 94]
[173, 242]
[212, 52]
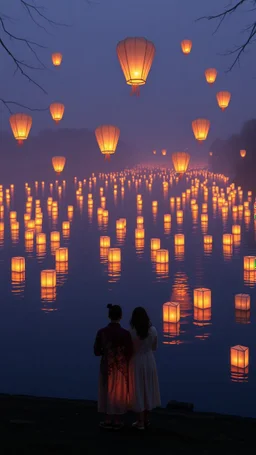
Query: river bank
[56, 426]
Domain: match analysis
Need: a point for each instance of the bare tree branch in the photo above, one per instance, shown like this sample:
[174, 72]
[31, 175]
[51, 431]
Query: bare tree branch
[251, 29]
[7, 104]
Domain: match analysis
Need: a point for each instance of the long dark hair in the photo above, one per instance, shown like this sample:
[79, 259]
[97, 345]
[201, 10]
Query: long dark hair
[140, 322]
[114, 312]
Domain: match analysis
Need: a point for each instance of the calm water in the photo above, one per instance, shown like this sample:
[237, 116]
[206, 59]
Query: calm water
[46, 347]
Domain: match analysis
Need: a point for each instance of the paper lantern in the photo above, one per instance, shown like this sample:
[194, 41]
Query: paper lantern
[236, 229]
[171, 312]
[179, 239]
[239, 356]
[208, 239]
[242, 302]
[56, 58]
[202, 298]
[155, 244]
[55, 236]
[242, 153]
[186, 46]
[31, 224]
[135, 56]
[162, 256]
[61, 255]
[249, 263]
[211, 75]
[107, 137]
[104, 242]
[29, 234]
[123, 220]
[204, 218]
[105, 214]
[227, 239]
[139, 233]
[58, 163]
[41, 239]
[154, 204]
[57, 111]
[65, 225]
[200, 129]
[18, 264]
[13, 215]
[180, 162]
[140, 221]
[48, 278]
[119, 225]
[20, 125]
[167, 218]
[114, 255]
[223, 99]
[179, 214]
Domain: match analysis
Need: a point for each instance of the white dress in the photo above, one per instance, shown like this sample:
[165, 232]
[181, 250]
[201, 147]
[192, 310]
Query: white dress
[144, 392]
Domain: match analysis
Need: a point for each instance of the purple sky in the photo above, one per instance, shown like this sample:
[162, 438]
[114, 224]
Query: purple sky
[92, 87]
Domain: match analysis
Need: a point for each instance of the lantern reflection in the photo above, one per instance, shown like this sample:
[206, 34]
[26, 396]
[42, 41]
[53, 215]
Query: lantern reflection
[239, 363]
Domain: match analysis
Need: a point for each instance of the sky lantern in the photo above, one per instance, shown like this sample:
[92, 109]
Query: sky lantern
[186, 46]
[242, 153]
[58, 163]
[135, 56]
[57, 111]
[154, 152]
[107, 137]
[164, 152]
[210, 75]
[56, 58]
[223, 99]
[180, 161]
[201, 128]
[210, 153]
[20, 125]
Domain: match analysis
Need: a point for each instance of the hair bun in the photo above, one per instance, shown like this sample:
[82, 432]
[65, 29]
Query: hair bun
[109, 305]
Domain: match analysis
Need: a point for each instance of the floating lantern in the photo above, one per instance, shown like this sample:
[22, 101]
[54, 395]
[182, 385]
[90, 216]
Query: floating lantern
[57, 112]
[243, 153]
[236, 229]
[104, 242]
[171, 312]
[114, 255]
[167, 218]
[239, 356]
[223, 99]
[154, 204]
[208, 239]
[227, 239]
[204, 218]
[107, 137]
[31, 224]
[249, 262]
[123, 220]
[242, 302]
[61, 255]
[162, 256]
[99, 211]
[164, 152]
[179, 239]
[155, 244]
[29, 234]
[65, 225]
[41, 239]
[186, 46]
[105, 214]
[20, 125]
[202, 298]
[200, 129]
[179, 214]
[135, 56]
[55, 236]
[210, 75]
[48, 278]
[180, 161]
[56, 58]
[139, 233]
[13, 215]
[119, 224]
[18, 264]
[58, 163]
[140, 221]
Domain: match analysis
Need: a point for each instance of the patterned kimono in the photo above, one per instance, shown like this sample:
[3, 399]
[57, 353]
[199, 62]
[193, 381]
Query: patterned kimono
[114, 345]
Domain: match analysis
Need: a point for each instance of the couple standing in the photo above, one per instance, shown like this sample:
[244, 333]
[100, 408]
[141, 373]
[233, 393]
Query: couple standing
[128, 375]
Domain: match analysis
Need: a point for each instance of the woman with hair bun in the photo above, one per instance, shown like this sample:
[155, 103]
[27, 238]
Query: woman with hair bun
[114, 345]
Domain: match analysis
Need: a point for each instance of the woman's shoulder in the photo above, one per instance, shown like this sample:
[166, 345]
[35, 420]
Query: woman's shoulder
[153, 331]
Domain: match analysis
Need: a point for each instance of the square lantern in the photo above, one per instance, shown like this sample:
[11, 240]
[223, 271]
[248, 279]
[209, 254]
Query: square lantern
[239, 356]
[171, 312]
[114, 255]
[61, 255]
[155, 244]
[104, 241]
[242, 302]
[202, 298]
[249, 262]
[18, 264]
[162, 256]
[48, 278]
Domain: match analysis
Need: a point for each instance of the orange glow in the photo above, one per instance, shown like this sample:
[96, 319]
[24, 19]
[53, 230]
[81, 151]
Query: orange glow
[179, 239]
[58, 163]
[227, 239]
[155, 244]
[167, 218]
[202, 298]
[57, 111]
[13, 216]
[61, 255]
[180, 161]
[29, 235]
[18, 264]
[139, 233]
[56, 58]
[41, 239]
[135, 56]
[186, 46]
[65, 225]
[164, 152]
[223, 99]
[107, 137]
[208, 239]
[20, 125]
[140, 221]
[55, 236]
[114, 255]
[119, 225]
[242, 153]
[48, 278]
[249, 262]
[162, 256]
[104, 242]
[239, 356]
[210, 75]
[201, 128]
[171, 312]
[242, 302]
[154, 204]
[236, 229]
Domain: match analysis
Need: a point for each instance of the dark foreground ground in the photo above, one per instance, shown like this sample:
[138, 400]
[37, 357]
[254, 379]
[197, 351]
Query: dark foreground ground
[30, 425]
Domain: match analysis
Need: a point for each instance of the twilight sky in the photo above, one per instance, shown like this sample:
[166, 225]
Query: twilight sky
[92, 87]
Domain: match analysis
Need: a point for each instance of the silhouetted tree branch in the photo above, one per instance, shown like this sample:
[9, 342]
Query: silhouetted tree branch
[250, 29]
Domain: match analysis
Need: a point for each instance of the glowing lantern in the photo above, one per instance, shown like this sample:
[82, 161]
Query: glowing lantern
[155, 244]
[223, 99]
[242, 302]
[154, 204]
[162, 256]
[114, 255]
[167, 218]
[227, 239]
[58, 163]
[242, 153]
[210, 153]
[20, 125]
[104, 242]
[56, 58]
[154, 152]
[180, 161]
[29, 235]
[107, 137]
[179, 239]
[171, 312]
[249, 262]
[139, 233]
[13, 216]
[57, 111]
[239, 356]
[202, 298]
[48, 278]
[201, 128]
[65, 225]
[119, 224]
[18, 264]
[236, 229]
[208, 239]
[186, 46]
[41, 239]
[61, 255]
[55, 236]
[164, 152]
[135, 56]
[140, 221]
[210, 75]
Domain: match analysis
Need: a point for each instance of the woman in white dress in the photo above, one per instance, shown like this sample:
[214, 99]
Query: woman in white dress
[144, 392]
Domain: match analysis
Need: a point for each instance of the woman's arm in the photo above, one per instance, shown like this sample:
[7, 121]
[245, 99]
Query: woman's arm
[98, 348]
